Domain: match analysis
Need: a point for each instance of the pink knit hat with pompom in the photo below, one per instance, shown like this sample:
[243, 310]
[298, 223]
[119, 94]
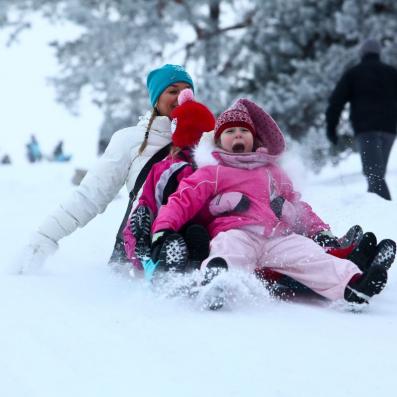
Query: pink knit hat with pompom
[235, 116]
[268, 133]
[247, 113]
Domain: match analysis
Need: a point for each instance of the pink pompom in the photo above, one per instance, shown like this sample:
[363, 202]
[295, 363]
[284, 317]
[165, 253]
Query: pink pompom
[185, 95]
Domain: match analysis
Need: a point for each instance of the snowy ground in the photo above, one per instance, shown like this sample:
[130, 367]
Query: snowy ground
[77, 329]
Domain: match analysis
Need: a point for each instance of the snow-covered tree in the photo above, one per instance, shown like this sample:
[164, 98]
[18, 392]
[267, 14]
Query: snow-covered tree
[300, 48]
[285, 54]
[121, 40]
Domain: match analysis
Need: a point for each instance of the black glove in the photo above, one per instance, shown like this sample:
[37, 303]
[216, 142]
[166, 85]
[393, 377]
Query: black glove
[158, 239]
[326, 239]
[277, 206]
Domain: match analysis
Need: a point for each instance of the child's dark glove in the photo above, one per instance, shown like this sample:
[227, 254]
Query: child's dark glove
[277, 206]
[225, 203]
[158, 239]
[326, 239]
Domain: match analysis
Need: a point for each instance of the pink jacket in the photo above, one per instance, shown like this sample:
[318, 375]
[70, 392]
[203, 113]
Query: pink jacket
[256, 175]
[162, 180]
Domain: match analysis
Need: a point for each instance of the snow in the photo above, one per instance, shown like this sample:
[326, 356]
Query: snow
[78, 329]
[28, 100]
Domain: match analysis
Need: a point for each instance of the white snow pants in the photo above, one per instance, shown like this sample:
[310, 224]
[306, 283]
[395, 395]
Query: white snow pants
[296, 256]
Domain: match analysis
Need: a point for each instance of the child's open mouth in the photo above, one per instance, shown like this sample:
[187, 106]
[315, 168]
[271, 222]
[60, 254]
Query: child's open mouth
[238, 148]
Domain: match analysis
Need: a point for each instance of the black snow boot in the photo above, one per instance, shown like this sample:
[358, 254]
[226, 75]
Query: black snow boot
[214, 267]
[215, 299]
[198, 244]
[367, 285]
[378, 185]
[364, 253]
[352, 237]
[385, 253]
[173, 254]
[141, 223]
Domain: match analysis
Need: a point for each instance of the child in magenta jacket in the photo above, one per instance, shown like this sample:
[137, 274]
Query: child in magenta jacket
[242, 157]
[189, 120]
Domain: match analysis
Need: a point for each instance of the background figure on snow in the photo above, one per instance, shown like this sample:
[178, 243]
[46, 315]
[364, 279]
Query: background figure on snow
[33, 150]
[371, 89]
[4, 157]
[59, 155]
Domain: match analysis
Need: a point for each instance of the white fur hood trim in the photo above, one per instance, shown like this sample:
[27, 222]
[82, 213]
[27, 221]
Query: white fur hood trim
[202, 153]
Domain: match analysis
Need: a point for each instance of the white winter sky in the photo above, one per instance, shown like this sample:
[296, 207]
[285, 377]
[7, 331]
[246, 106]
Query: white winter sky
[27, 100]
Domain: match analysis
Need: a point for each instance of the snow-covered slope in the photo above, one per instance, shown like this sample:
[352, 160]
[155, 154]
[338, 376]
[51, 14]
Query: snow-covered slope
[77, 329]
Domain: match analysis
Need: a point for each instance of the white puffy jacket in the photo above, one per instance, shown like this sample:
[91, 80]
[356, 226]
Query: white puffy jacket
[119, 165]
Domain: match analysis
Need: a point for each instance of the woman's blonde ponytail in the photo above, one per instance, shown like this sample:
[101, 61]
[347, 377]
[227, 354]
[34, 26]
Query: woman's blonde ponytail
[144, 143]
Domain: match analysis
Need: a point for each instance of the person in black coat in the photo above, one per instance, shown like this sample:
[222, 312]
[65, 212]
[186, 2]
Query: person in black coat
[371, 89]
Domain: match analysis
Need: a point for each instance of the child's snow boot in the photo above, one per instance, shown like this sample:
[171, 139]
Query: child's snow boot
[169, 255]
[173, 254]
[347, 243]
[385, 253]
[352, 237]
[214, 267]
[215, 297]
[198, 244]
[141, 222]
[363, 254]
[361, 288]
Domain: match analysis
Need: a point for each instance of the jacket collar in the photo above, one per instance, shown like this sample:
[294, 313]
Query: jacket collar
[207, 153]
[161, 124]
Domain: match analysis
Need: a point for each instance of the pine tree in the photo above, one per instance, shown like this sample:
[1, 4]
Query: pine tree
[301, 49]
[121, 40]
[285, 54]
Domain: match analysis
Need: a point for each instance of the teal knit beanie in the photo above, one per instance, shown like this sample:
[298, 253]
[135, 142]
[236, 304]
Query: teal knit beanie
[159, 79]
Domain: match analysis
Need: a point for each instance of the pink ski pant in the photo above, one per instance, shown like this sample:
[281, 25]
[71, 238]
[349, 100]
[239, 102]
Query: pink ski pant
[296, 256]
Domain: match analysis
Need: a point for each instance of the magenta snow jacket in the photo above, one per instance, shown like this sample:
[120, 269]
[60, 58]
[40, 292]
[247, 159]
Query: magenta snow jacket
[162, 180]
[256, 175]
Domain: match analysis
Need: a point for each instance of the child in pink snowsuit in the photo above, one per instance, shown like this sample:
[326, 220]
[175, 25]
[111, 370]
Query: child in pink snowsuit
[242, 157]
[189, 120]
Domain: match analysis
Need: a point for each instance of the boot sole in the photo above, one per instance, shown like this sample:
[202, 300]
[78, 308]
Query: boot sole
[173, 253]
[374, 286]
[140, 226]
[353, 237]
[363, 254]
[385, 254]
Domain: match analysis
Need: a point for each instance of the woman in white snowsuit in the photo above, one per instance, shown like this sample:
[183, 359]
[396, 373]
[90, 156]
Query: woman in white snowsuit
[127, 153]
